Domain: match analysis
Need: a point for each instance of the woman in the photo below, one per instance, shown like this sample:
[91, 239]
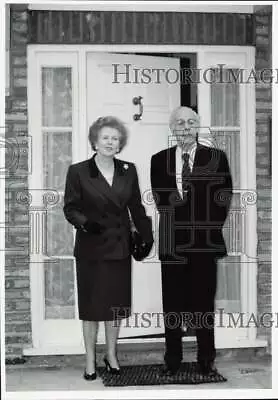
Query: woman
[99, 194]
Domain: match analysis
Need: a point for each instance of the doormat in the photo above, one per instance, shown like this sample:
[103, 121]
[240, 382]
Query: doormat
[142, 375]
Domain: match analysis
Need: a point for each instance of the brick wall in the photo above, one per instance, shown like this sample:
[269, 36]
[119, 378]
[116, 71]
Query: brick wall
[18, 314]
[132, 27]
[263, 20]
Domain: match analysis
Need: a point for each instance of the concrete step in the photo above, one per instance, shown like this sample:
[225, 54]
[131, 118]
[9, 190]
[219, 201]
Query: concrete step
[135, 353]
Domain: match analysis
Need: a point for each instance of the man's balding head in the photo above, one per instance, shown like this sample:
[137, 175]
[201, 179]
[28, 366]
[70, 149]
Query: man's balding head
[183, 113]
[184, 123]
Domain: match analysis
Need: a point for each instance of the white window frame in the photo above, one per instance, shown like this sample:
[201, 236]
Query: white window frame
[35, 181]
[249, 275]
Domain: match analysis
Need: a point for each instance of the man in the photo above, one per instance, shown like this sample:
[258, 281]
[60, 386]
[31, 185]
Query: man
[192, 189]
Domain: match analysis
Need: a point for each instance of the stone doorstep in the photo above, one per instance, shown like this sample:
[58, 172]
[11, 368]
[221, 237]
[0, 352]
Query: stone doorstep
[138, 353]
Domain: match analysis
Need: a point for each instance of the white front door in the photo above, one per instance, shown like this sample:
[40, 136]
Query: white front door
[67, 92]
[113, 82]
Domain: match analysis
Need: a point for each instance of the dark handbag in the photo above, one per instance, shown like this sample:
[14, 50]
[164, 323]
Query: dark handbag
[139, 249]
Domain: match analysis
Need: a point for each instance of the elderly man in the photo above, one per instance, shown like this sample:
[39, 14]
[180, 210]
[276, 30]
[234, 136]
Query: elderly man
[192, 189]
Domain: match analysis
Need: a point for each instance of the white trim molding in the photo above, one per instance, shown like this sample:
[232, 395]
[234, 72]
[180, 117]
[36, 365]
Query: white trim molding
[171, 6]
[208, 56]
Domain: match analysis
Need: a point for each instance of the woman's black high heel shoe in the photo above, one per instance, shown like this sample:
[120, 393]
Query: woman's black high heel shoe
[90, 377]
[111, 370]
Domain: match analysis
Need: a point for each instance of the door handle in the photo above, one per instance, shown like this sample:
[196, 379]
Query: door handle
[138, 101]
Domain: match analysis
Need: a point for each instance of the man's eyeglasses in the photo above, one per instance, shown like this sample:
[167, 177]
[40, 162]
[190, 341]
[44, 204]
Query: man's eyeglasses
[181, 122]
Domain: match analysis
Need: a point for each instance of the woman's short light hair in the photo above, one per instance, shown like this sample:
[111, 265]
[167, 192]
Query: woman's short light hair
[111, 122]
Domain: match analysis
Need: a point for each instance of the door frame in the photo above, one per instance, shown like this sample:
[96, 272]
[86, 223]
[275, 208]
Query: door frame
[250, 274]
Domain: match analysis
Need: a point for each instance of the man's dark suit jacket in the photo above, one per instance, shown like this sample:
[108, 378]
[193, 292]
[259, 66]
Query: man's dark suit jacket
[193, 224]
[88, 196]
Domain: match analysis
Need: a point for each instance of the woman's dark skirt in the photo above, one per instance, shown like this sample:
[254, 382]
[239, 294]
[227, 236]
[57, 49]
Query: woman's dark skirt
[104, 289]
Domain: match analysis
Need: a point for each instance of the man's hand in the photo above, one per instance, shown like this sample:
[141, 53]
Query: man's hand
[147, 246]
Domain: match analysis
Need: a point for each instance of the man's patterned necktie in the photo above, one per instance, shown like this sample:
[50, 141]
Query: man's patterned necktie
[186, 172]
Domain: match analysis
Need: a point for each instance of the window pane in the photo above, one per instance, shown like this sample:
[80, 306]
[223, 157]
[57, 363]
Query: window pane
[228, 287]
[234, 227]
[59, 232]
[228, 284]
[224, 98]
[229, 141]
[59, 290]
[57, 156]
[229, 278]
[56, 96]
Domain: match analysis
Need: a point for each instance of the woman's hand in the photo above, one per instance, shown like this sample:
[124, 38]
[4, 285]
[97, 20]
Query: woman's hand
[139, 248]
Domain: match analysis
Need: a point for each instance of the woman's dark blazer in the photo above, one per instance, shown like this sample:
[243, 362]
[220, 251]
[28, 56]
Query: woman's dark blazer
[89, 197]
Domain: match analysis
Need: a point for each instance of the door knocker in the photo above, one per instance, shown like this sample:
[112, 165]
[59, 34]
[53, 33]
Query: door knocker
[137, 101]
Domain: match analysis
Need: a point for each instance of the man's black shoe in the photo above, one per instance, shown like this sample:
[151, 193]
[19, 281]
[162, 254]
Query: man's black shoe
[169, 371]
[207, 368]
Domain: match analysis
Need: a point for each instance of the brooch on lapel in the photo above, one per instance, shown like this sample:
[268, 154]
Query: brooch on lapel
[125, 166]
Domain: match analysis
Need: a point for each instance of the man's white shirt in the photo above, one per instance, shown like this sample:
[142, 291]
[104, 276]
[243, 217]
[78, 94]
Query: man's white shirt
[179, 165]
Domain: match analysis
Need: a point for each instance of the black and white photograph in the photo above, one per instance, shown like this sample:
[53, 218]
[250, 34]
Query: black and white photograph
[136, 199]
